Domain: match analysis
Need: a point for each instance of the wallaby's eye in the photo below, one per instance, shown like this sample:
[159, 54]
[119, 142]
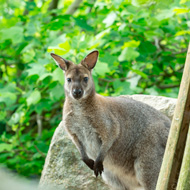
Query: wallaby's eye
[69, 79]
[85, 79]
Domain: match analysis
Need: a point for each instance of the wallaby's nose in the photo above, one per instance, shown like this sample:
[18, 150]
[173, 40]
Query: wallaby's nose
[77, 93]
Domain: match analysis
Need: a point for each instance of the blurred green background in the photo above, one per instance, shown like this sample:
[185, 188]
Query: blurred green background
[142, 45]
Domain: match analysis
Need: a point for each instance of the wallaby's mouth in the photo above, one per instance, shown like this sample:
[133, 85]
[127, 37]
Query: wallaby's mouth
[77, 93]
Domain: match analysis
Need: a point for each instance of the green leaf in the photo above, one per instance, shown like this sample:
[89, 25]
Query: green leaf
[139, 73]
[2, 116]
[183, 32]
[8, 98]
[140, 3]
[101, 68]
[128, 54]
[44, 104]
[110, 19]
[122, 87]
[102, 34]
[165, 14]
[57, 50]
[34, 97]
[147, 48]
[4, 146]
[14, 33]
[131, 43]
[36, 69]
[43, 76]
[8, 94]
[57, 92]
[181, 10]
[183, 1]
[58, 75]
[65, 46]
[82, 22]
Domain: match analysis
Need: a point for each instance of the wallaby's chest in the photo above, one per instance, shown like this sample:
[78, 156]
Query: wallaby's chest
[81, 125]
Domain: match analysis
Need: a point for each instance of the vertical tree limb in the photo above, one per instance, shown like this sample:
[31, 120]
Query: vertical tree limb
[53, 5]
[178, 133]
[184, 176]
[39, 123]
[73, 7]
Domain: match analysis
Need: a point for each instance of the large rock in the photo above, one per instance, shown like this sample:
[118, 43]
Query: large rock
[63, 166]
[10, 181]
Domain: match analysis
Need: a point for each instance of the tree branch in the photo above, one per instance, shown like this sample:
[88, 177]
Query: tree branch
[168, 86]
[39, 123]
[53, 5]
[39, 151]
[74, 6]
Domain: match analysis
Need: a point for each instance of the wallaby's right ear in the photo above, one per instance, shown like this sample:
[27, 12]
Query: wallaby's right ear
[62, 63]
[90, 60]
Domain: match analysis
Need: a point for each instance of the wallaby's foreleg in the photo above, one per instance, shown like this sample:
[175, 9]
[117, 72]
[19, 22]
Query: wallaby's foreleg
[89, 162]
[107, 138]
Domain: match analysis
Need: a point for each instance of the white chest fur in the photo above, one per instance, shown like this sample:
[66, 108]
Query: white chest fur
[78, 125]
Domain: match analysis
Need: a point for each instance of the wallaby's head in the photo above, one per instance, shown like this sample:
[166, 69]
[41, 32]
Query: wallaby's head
[78, 78]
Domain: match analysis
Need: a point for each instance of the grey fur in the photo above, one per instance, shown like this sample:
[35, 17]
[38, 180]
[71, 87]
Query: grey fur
[120, 138]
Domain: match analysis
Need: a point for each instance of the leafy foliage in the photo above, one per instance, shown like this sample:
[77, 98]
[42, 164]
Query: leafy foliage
[142, 48]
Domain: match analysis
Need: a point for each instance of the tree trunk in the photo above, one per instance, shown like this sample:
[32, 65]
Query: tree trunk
[178, 133]
[184, 176]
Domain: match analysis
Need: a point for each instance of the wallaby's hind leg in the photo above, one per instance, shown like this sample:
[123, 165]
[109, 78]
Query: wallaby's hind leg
[113, 181]
[147, 170]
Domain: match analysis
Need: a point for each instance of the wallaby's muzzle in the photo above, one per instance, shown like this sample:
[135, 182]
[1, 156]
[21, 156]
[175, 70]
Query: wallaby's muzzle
[77, 93]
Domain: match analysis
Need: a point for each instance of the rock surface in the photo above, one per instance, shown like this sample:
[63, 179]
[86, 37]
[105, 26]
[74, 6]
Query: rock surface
[10, 181]
[63, 167]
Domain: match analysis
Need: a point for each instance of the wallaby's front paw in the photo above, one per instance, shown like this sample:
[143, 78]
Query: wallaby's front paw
[89, 163]
[98, 168]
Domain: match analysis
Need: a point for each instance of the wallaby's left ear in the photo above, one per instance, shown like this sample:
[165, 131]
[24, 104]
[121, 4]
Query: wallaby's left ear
[62, 63]
[91, 59]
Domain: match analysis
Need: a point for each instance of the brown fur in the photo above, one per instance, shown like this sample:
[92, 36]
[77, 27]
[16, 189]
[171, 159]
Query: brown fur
[122, 139]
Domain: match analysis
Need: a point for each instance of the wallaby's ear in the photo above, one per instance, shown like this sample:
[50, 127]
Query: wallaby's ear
[62, 63]
[90, 60]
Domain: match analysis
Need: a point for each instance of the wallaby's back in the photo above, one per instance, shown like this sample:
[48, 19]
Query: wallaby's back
[143, 136]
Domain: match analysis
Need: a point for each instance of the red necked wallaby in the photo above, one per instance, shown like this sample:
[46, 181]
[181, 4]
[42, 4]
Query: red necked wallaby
[120, 138]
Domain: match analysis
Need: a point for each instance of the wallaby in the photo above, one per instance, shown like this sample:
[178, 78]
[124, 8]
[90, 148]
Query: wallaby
[118, 137]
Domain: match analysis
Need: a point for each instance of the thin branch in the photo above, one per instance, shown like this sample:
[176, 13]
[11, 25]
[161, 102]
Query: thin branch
[114, 79]
[39, 151]
[39, 123]
[168, 86]
[74, 6]
[53, 5]
[90, 9]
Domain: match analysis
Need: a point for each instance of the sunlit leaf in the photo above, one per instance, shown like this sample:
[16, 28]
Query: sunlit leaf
[14, 33]
[34, 98]
[183, 1]
[181, 10]
[101, 68]
[183, 32]
[58, 75]
[131, 43]
[65, 46]
[110, 19]
[36, 69]
[7, 147]
[128, 54]
[165, 14]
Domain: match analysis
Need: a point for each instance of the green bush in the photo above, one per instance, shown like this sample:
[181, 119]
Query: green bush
[142, 47]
